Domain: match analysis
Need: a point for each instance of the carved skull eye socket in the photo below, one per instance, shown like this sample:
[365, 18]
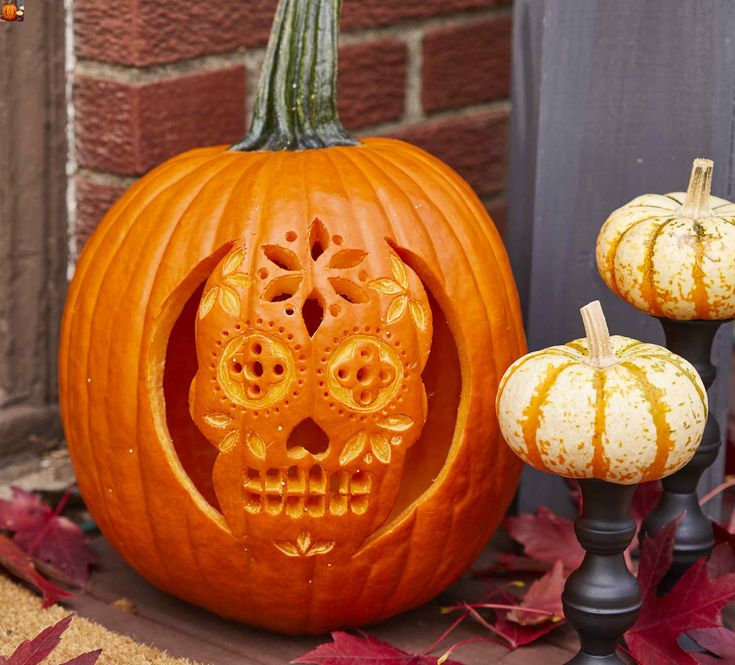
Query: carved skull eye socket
[256, 369]
[364, 372]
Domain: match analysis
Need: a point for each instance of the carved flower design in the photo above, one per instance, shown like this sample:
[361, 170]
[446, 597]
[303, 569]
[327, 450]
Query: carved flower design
[403, 301]
[226, 292]
[304, 546]
[376, 443]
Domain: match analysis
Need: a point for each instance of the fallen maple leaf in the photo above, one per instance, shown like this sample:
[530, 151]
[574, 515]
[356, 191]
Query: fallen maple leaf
[547, 537]
[720, 641]
[35, 651]
[21, 565]
[44, 534]
[544, 594]
[349, 649]
[695, 601]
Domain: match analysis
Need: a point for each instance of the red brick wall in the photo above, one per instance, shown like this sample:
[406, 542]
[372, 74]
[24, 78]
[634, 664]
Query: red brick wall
[152, 79]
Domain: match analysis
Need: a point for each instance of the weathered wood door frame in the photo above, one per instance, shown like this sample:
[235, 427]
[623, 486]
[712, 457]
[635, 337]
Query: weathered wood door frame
[33, 226]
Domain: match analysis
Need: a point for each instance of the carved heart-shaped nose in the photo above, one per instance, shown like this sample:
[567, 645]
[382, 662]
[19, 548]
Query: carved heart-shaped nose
[307, 437]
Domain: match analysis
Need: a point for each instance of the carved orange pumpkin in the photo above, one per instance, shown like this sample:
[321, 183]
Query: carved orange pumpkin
[279, 362]
[10, 11]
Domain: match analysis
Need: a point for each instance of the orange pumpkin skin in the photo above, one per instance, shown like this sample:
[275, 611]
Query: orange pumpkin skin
[10, 12]
[128, 359]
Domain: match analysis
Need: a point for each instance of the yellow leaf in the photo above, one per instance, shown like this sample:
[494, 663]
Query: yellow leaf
[239, 280]
[303, 541]
[289, 549]
[230, 300]
[256, 444]
[321, 547]
[219, 420]
[233, 261]
[418, 315]
[229, 441]
[397, 309]
[208, 299]
[396, 423]
[385, 285]
[353, 448]
[381, 447]
[399, 271]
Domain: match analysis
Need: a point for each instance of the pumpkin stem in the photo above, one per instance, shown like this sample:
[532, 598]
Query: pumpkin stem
[296, 106]
[697, 203]
[600, 352]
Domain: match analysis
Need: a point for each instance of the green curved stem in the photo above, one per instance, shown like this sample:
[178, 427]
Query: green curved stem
[296, 106]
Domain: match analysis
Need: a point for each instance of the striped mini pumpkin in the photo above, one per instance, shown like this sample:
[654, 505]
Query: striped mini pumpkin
[674, 255]
[611, 408]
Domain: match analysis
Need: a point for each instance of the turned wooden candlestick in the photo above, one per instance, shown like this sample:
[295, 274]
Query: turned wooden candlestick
[602, 598]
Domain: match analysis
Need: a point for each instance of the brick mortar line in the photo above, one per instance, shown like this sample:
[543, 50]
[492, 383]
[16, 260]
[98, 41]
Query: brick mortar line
[105, 177]
[154, 73]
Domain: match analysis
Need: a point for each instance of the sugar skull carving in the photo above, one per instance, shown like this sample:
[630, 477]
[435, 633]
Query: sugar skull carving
[311, 405]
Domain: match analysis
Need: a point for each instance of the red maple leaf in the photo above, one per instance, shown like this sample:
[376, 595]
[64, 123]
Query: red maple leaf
[21, 565]
[695, 601]
[544, 594]
[547, 537]
[720, 641]
[34, 651]
[45, 535]
[349, 649]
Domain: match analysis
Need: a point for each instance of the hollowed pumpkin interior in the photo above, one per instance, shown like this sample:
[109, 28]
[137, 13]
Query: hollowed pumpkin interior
[424, 460]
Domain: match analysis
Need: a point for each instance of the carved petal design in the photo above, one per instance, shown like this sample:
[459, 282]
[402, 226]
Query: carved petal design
[386, 286]
[256, 444]
[230, 300]
[208, 300]
[354, 447]
[233, 261]
[396, 423]
[219, 420]
[229, 441]
[289, 549]
[397, 309]
[381, 447]
[239, 280]
[418, 314]
[399, 271]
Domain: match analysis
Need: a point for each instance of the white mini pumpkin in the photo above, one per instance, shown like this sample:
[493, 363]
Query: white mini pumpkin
[611, 408]
[673, 255]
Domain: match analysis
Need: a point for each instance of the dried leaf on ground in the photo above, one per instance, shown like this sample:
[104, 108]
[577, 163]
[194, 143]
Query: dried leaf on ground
[547, 537]
[695, 601]
[45, 535]
[21, 565]
[349, 649]
[544, 594]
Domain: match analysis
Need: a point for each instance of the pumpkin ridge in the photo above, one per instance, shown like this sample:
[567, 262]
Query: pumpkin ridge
[142, 219]
[649, 290]
[664, 442]
[600, 461]
[87, 261]
[673, 360]
[699, 289]
[501, 261]
[613, 250]
[139, 419]
[532, 412]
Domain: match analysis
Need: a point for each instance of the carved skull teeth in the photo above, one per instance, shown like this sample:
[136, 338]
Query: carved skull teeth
[298, 492]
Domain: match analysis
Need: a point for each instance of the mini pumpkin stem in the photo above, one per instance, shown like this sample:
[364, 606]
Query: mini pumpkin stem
[296, 106]
[697, 203]
[600, 352]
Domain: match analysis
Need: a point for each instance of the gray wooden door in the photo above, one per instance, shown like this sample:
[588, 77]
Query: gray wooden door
[611, 99]
[32, 222]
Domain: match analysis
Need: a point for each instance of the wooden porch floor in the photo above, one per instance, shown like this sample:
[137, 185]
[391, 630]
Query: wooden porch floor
[186, 631]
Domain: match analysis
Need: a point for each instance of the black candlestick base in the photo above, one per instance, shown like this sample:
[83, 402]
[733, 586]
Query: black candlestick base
[694, 537]
[602, 598]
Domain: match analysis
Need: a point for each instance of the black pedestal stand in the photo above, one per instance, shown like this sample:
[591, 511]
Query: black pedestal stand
[601, 598]
[694, 538]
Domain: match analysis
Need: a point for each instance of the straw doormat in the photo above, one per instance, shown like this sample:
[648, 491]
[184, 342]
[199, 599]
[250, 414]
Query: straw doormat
[22, 618]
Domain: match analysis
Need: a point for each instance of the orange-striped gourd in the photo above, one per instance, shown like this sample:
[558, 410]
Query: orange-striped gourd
[673, 255]
[611, 408]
